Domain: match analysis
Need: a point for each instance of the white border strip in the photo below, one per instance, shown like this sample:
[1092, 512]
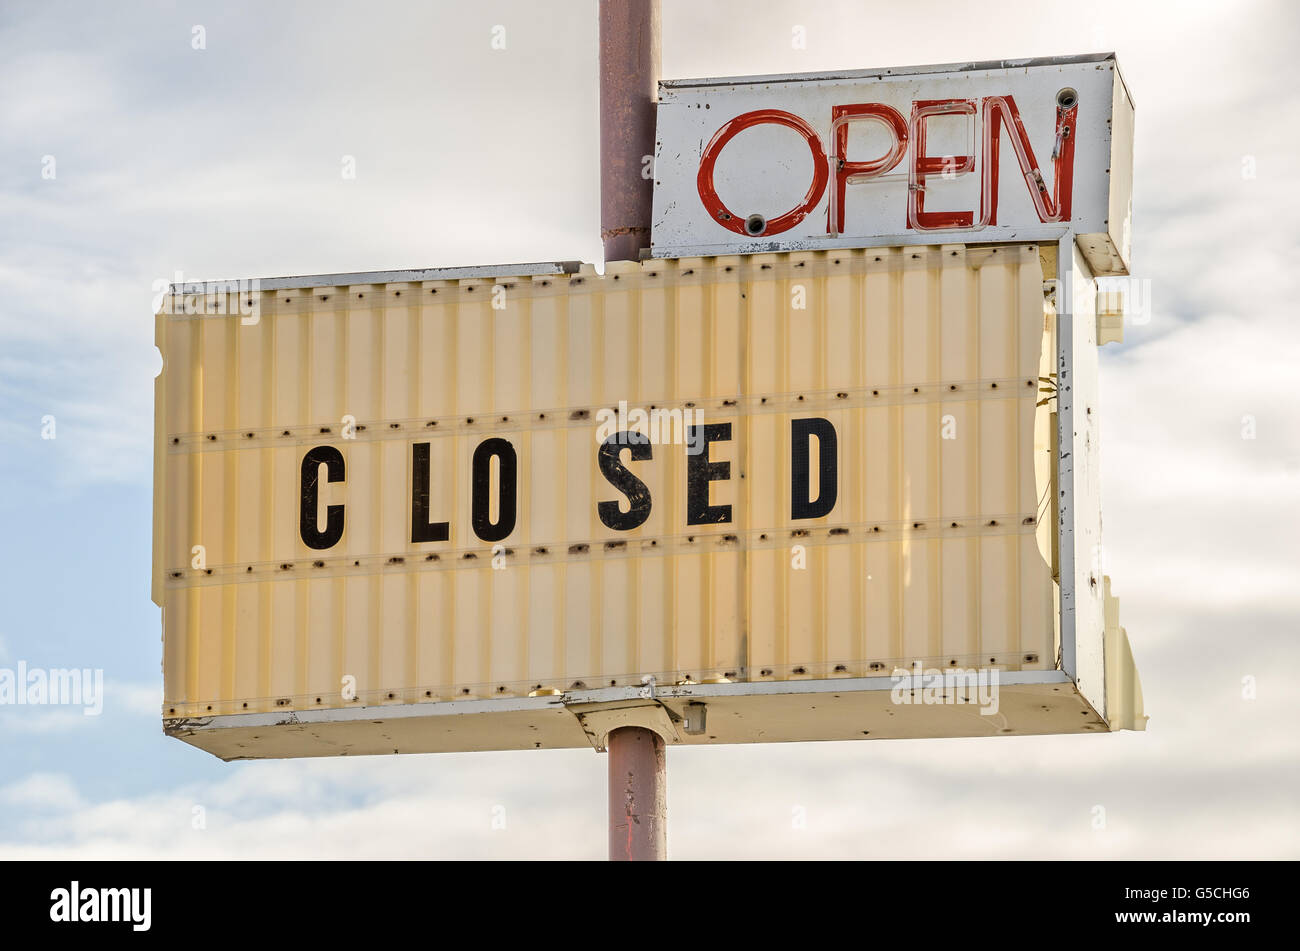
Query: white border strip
[1049, 234]
[401, 711]
[668, 85]
[348, 279]
[1065, 449]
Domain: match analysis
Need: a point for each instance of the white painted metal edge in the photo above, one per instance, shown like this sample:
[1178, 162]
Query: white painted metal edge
[1042, 235]
[347, 279]
[1065, 449]
[668, 85]
[562, 701]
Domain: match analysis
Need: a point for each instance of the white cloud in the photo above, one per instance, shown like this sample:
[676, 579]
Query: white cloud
[15, 721]
[43, 791]
[137, 699]
[1195, 513]
[995, 798]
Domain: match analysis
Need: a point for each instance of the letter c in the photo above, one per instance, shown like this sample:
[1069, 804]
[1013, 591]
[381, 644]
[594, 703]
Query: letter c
[309, 522]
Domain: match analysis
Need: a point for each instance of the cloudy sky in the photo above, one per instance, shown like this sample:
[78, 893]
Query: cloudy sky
[224, 161]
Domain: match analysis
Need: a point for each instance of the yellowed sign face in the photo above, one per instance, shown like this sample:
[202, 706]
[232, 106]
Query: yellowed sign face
[754, 470]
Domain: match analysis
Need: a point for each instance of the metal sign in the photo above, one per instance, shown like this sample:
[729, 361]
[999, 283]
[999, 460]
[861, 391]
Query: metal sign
[733, 499]
[986, 151]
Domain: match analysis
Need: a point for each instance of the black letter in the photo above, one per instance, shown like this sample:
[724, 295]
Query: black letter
[700, 472]
[828, 470]
[332, 460]
[422, 530]
[612, 468]
[482, 471]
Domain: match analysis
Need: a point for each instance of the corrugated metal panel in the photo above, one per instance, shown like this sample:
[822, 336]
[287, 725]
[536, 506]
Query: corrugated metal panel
[926, 361]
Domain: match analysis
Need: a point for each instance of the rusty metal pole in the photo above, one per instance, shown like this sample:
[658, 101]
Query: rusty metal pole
[638, 796]
[629, 77]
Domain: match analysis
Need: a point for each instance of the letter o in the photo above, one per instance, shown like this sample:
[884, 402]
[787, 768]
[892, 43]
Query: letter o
[709, 195]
